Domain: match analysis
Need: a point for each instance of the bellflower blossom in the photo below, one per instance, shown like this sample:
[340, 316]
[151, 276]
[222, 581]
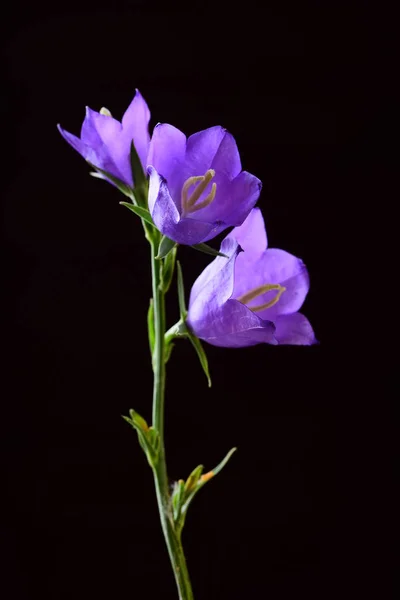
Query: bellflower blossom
[197, 187]
[106, 143]
[253, 296]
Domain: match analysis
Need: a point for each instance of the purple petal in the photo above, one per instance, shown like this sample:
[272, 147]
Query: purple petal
[135, 126]
[166, 215]
[277, 267]
[233, 200]
[115, 145]
[234, 326]
[217, 319]
[202, 148]
[217, 278]
[251, 235]
[78, 145]
[167, 152]
[227, 159]
[294, 329]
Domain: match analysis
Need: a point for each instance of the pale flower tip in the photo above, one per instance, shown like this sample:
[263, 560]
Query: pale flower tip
[104, 111]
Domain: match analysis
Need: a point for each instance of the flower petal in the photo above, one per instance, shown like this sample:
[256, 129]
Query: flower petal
[217, 319]
[227, 159]
[217, 278]
[294, 329]
[202, 147]
[78, 145]
[166, 215]
[116, 145]
[251, 235]
[233, 325]
[233, 200]
[277, 267]
[135, 126]
[167, 151]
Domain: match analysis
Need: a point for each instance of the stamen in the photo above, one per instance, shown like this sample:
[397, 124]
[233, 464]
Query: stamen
[258, 291]
[188, 183]
[189, 201]
[104, 111]
[207, 200]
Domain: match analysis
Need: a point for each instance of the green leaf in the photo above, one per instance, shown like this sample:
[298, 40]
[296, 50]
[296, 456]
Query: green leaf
[168, 269]
[200, 353]
[138, 175]
[181, 292]
[208, 250]
[166, 245]
[141, 212]
[150, 326]
[100, 174]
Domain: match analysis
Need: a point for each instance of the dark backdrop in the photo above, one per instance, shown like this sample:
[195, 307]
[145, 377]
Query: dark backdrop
[280, 521]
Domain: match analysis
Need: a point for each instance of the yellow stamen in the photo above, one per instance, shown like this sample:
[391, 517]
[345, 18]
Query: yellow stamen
[104, 111]
[258, 291]
[189, 201]
[207, 200]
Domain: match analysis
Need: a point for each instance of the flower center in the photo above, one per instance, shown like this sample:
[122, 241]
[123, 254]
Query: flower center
[105, 112]
[190, 201]
[259, 291]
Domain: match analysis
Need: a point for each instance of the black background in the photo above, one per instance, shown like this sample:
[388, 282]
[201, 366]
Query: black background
[284, 519]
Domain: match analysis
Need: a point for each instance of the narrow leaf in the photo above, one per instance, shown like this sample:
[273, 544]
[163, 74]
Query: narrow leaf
[181, 292]
[166, 245]
[141, 212]
[121, 185]
[206, 249]
[221, 465]
[200, 353]
[150, 326]
[168, 269]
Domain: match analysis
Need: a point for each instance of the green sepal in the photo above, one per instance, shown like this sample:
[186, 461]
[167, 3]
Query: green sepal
[149, 438]
[206, 249]
[168, 270]
[150, 326]
[178, 495]
[121, 185]
[166, 245]
[141, 212]
[193, 478]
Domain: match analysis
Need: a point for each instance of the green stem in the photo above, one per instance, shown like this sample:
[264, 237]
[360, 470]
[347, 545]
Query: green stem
[172, 537]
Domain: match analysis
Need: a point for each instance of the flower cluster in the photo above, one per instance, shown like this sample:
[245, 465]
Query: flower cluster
[196, 190]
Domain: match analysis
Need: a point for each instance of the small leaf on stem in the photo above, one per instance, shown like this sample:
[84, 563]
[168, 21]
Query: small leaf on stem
[166, 245]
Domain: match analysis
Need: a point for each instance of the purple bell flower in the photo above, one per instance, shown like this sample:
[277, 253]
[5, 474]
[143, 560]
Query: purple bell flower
[106, 143]
[253, 296]
[197, 187]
